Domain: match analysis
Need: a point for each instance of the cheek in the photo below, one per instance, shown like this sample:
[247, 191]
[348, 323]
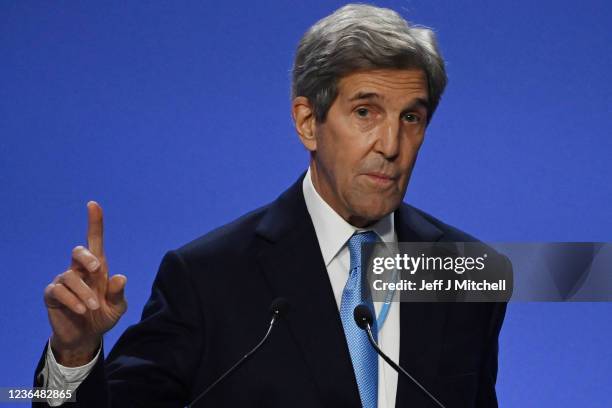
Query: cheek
[343, 152]
[410, 149]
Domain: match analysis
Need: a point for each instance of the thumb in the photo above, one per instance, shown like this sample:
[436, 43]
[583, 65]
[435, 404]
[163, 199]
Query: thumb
[115, 291]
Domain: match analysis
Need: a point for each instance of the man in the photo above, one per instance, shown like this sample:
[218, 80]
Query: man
[365, 86]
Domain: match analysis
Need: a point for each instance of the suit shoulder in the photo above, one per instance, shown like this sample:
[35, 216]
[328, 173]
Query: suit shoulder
[453, 234]
[450, 233]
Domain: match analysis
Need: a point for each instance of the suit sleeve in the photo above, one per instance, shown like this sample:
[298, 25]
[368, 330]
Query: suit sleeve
[154, 362]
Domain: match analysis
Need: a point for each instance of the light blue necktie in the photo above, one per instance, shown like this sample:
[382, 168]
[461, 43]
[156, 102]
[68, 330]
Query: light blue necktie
[363, 355]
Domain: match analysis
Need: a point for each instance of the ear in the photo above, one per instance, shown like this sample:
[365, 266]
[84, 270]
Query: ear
[304, 120]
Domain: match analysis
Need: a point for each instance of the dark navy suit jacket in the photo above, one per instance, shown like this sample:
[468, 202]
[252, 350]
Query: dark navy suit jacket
[209, 306]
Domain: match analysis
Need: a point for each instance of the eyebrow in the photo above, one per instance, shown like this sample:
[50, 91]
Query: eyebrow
[364, 95]
[417, 103]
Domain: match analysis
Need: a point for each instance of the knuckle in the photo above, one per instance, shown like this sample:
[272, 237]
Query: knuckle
[56, 291]
[65, 276]
[48, 292]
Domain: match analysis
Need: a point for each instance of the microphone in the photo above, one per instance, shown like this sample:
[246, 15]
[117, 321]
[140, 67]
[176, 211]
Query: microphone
[278, 309]
[363, 318]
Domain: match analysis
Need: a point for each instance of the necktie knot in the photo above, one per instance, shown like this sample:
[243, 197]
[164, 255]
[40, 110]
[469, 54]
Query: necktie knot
[354, 246]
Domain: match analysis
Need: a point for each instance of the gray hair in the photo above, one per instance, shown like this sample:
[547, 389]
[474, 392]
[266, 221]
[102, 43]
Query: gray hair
[358, 37]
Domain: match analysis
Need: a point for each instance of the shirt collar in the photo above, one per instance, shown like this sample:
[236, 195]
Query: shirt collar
[332, 230]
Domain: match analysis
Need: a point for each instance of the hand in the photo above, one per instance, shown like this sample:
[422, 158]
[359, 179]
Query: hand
[83, 303]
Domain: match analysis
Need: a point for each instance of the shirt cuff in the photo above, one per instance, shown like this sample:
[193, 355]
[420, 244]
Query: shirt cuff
[57, 376]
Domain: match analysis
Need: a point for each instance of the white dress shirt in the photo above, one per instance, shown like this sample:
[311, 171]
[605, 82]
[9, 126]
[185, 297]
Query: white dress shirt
[333, 233]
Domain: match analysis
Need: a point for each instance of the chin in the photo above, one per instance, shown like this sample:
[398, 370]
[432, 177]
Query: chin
[372, 213]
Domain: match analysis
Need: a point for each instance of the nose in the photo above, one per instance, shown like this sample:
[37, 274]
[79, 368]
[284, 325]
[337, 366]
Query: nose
[388, 139]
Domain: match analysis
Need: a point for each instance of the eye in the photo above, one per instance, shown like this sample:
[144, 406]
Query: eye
[411, 117]
[362, 112]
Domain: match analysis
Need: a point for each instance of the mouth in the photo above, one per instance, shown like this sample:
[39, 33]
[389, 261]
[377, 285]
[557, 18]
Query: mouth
[381, 179]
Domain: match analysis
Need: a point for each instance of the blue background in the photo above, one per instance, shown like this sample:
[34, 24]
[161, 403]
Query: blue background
[175, 117]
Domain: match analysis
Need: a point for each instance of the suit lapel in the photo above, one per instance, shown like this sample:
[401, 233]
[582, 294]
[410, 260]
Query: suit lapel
[291, 261]
[421, 324]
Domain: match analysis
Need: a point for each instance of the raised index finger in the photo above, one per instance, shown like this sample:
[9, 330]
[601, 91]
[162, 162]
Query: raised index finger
[95, 229]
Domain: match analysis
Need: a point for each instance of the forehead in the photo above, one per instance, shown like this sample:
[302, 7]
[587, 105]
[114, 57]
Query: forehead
[387, 83]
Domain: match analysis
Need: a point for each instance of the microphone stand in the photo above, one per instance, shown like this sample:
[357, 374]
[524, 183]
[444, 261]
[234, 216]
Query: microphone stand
[397, 367]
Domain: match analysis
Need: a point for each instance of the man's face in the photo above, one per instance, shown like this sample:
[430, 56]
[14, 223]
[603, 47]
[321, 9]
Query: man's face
[364, 153]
